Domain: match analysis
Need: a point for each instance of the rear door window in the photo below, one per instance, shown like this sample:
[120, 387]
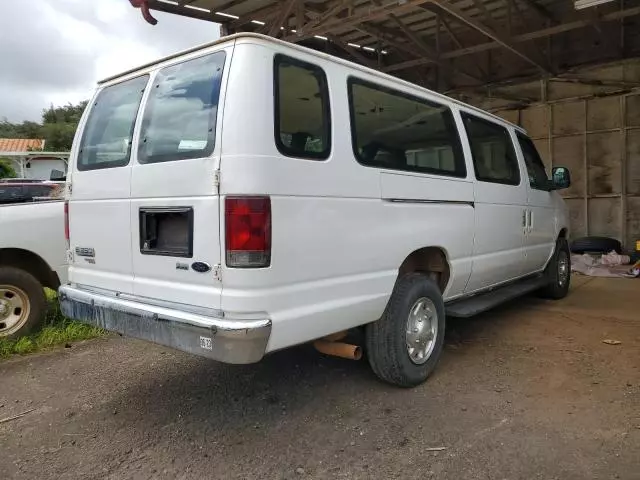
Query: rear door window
[494, 158]
[106, 140]
[180, 116]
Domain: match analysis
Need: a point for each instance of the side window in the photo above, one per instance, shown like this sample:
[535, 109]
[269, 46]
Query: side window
[302, 112]
[106, 140]
[494, 158]
[535, 168]
[394, 130]
[180, 117]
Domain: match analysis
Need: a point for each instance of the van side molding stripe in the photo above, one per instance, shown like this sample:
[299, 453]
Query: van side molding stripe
[417, 200]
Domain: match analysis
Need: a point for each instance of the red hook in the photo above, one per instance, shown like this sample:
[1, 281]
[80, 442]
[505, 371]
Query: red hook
[143, 5]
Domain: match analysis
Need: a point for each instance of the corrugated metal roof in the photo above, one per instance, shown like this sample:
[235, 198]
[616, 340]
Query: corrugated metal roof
[20, 144]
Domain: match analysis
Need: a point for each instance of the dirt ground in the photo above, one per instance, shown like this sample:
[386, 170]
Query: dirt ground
[529, 391]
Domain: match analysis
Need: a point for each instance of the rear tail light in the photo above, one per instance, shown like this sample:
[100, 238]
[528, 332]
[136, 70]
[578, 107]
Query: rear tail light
[66, 222]
[248, 231]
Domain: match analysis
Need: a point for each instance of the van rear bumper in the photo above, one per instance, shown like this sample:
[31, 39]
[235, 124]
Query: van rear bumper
[206, 333]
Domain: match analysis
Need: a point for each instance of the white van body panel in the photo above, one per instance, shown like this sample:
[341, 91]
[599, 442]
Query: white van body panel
[340, 229]
[333, 219]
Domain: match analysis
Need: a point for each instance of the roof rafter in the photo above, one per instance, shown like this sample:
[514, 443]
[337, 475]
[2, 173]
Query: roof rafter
[351, 51]
[504, 40]
[544, 32]
[357, 17]
[286, 11]
[541, 11]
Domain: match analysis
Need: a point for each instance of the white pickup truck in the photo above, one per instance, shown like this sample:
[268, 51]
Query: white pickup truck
[32, 256]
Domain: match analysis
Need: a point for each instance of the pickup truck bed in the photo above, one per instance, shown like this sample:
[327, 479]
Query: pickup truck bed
[32, 256]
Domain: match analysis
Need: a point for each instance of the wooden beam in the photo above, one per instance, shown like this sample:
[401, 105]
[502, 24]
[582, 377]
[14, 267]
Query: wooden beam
[483, 10]
[351, 51]
[300, 21]
[287, 8]
[224, 6]
[328, 14]
[178, 10]
[524, 22]
[426, 55]
[261, 14]
[503, 40]
[595, 82]
[524, 37]
[542, 11]
[426, 49]
[359, 16]
[406, 47]
[451, 33]
[456, 40]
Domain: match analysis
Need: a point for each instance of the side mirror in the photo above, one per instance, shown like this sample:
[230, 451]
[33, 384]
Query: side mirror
[561, 178]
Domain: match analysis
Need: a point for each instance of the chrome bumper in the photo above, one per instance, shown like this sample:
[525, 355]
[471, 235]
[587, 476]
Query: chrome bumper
[205, 333]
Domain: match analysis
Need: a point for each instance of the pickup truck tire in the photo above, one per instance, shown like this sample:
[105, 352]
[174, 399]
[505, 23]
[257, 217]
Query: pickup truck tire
[558, 272]
[23, 304]
[414, 314]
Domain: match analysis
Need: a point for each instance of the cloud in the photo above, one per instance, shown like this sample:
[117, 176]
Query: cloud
[58, 49]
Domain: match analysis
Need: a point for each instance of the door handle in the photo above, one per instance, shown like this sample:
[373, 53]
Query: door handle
[530, 220]
[524, 219]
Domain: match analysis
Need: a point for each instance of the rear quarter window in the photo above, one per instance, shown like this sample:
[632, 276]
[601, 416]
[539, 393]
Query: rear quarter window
[106, 140]
[179, 121]
[302, 110]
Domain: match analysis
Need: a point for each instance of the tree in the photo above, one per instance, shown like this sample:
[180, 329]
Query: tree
[59, 125]
[68, 113]
[6, 169]
[57, 128]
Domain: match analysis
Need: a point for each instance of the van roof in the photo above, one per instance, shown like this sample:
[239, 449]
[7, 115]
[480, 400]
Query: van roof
[326, 56]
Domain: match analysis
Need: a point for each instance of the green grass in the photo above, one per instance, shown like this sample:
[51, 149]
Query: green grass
[57, 330]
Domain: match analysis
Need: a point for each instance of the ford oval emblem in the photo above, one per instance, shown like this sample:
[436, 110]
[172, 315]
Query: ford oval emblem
[201, 267]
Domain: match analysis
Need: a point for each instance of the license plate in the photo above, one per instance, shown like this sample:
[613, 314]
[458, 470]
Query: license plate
[206, 343]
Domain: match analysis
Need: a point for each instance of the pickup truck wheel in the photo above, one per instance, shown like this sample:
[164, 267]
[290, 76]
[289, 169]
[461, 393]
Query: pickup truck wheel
[558, 272]
[22, 302]
[404, 346]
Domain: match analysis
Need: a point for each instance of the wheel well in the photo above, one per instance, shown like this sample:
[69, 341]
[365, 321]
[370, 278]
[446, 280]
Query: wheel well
[30, 262]
[430, 260]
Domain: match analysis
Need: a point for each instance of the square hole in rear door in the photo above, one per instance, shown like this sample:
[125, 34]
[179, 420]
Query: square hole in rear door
[166, 231]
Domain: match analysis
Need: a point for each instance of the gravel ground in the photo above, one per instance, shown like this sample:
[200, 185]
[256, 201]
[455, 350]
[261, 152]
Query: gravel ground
[525, 392]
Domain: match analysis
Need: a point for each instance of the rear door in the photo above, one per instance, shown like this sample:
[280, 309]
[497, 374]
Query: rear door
[174, 210]
[500, 204]
[100, 187]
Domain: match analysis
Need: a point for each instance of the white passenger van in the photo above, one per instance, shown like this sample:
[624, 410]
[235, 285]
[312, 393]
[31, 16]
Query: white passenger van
[250, 195]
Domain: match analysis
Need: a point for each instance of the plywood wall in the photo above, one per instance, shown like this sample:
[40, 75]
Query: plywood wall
[594, 130]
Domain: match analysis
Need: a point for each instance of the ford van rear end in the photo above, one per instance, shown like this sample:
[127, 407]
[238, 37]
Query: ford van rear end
[144, 212]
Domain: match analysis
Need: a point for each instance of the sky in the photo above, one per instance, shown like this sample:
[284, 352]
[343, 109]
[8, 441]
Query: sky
[54, 51]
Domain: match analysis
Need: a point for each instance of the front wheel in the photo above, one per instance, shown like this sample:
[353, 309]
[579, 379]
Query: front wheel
[558, 272]
[404, 346]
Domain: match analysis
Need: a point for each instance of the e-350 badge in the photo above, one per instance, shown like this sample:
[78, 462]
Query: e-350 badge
[88, 253]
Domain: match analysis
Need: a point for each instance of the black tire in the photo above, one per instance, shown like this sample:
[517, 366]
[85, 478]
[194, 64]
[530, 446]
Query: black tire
[558, 283]
[14, 280]
[386, 339]
[596, 245]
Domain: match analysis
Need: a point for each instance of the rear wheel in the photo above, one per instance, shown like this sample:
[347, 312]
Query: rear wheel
[22, 302]
[558, 272]
[404, 346]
